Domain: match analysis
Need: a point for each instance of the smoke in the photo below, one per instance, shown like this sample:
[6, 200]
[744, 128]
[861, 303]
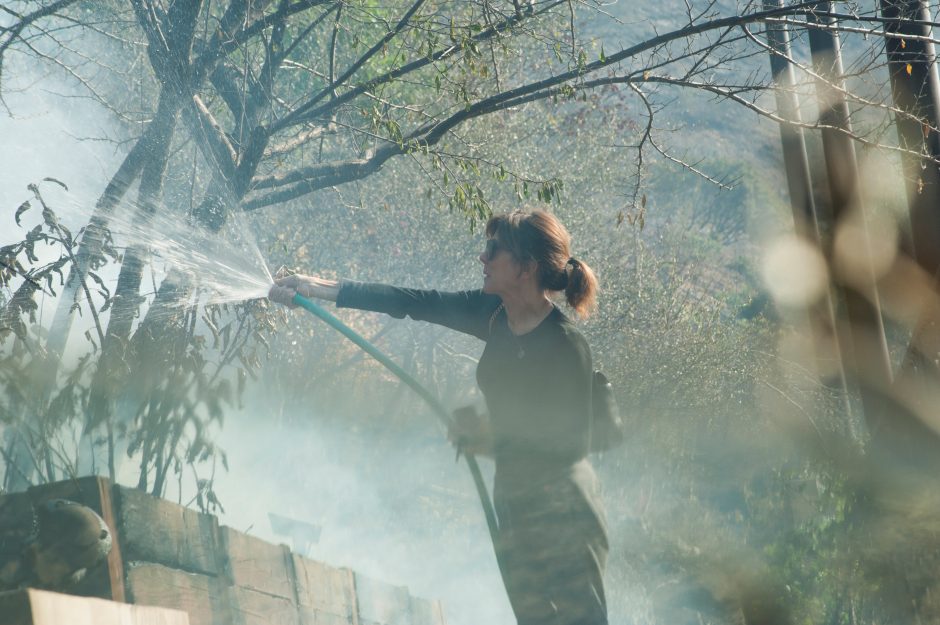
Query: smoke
[44, 139]
[393, 506]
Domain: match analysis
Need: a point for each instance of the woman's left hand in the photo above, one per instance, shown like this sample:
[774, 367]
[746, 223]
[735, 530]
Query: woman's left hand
[470, 432]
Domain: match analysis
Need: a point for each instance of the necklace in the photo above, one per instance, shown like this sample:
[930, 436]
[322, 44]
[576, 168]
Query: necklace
[520, 350]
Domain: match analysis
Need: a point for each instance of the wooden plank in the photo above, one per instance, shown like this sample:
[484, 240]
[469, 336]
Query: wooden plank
[159, 531]
[95, 492]
[250, 607]
[255, 564]
[203, 597]
[115, 558]
[39, 607]
[325, 595]
[381, 603]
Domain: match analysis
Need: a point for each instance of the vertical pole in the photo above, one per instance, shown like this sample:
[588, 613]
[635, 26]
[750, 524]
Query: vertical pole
[796, 165]
[865, 341]
[916, 90]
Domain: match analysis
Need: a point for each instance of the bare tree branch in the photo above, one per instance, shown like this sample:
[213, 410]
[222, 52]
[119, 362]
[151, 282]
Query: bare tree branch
[24, 21]
[351, 70]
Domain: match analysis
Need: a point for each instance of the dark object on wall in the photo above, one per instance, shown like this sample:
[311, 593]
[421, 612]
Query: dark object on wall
[67, 540]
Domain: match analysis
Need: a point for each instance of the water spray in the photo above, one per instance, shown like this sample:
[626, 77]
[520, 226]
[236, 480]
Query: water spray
[442, 413]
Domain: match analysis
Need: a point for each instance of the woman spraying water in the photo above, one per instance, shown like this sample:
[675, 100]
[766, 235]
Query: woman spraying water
[535, 374]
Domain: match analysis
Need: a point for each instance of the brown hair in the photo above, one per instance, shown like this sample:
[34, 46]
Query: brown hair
[538, 236]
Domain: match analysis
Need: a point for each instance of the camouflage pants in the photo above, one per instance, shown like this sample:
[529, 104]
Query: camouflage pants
[552, 550]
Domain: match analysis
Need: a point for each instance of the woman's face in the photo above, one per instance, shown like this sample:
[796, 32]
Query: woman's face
[501, 272]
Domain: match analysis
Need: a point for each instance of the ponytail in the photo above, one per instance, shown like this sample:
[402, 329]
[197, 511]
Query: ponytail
[581, 287]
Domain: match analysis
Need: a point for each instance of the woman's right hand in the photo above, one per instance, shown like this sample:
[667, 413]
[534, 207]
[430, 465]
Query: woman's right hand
[287, 286]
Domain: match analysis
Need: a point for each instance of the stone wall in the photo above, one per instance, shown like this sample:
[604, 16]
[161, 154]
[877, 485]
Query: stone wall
[167, 555]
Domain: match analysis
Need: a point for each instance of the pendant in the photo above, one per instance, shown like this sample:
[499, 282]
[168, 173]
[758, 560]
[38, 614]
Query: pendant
[520, 354]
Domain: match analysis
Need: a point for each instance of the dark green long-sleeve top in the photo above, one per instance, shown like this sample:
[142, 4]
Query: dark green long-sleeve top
[537, 385]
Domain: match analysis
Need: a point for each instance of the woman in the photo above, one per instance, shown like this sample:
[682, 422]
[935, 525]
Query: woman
[535, 374]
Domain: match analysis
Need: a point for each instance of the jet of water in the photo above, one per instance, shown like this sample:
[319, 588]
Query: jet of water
[227, 266]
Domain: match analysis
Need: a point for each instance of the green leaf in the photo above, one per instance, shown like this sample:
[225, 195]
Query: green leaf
[58, 182]
[19, 211]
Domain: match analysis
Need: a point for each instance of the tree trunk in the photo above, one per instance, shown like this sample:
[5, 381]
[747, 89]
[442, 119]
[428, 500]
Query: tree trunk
[112, 372]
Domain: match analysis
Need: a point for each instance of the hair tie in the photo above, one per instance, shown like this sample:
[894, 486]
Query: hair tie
[564, 278]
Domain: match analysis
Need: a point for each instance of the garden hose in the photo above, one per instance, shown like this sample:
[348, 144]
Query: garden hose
[442, 412]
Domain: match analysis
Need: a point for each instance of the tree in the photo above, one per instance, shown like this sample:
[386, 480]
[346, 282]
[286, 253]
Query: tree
[282, 99]
[267, 103]
[387, 81]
